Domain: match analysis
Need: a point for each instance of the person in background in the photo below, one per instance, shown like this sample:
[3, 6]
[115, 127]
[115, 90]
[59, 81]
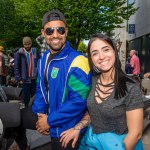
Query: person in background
[26, 69]
[135, 62]
[115, 103]
[2, 67]
[11, 76]
[42, 43]
[11, 63]
[128, 67]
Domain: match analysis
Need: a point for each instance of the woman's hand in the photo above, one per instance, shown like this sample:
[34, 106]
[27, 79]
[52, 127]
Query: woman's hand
[68, 135]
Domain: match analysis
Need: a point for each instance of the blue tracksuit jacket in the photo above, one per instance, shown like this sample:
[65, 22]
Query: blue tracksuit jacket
[69, 80]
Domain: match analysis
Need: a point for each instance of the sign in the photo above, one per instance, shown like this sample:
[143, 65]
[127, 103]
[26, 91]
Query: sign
[131, 28]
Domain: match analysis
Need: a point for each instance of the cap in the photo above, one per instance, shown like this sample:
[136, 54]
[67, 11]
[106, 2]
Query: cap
[1, 48]
[27, 40]
[52, 15]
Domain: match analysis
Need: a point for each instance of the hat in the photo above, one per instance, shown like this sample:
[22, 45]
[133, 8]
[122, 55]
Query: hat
[52, 15]
[27, 40]
[1, 48]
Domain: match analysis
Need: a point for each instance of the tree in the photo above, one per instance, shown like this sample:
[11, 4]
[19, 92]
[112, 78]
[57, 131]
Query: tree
[84, 17]
[82, 47]
[87, 17]
[6, 21]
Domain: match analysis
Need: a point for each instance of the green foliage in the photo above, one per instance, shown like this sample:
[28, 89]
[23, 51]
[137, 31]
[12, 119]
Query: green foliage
[82, 47]
[20, 18]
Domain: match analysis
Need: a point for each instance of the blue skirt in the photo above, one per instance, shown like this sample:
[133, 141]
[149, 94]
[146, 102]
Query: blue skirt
[105, 141]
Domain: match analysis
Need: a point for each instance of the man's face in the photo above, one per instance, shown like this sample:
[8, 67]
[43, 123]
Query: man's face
[27, 46]
[55, 33]
[131, 53]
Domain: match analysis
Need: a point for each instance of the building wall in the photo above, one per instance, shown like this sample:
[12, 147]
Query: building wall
[120, 36]
[140, 19]
[140, 41]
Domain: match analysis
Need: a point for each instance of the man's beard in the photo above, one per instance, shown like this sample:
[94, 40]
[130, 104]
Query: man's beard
[56, 49]
[28, 49]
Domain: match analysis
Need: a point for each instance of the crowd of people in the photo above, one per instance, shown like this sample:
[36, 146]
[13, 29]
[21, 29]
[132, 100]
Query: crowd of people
[82, 103]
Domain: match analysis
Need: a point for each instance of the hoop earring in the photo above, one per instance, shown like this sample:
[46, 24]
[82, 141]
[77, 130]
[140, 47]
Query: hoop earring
[96, 69]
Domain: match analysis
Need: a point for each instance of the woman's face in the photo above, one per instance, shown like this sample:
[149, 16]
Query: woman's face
[102, 55]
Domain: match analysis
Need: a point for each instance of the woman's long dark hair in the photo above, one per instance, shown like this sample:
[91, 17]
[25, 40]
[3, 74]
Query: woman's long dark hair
[120, 77]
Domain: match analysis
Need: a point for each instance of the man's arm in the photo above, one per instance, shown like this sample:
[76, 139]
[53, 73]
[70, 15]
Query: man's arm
[39, 104]
[73, 133]
[132, 62]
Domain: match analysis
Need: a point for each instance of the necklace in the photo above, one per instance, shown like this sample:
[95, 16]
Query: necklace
[103, 91]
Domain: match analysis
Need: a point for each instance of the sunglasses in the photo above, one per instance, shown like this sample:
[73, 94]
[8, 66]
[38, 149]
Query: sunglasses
[60, 30]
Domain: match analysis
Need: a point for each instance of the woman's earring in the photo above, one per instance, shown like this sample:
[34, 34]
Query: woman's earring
[96, 70]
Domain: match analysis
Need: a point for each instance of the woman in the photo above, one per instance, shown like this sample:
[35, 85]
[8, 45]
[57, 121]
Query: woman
[114, 104]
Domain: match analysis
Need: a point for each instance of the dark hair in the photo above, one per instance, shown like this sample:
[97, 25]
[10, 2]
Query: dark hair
[120, 77]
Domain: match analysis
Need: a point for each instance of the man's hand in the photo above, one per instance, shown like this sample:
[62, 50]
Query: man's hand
[42, 125]
[46, 132]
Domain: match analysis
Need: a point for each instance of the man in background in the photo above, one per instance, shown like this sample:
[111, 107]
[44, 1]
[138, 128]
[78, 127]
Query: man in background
[26, 69]
[135, 62]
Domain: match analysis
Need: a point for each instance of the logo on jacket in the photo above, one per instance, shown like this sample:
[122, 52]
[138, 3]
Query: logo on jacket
[54, 72]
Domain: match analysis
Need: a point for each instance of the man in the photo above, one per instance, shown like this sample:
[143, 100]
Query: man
[135, 62]
[26, 69]
[2, 67]
[63, 83]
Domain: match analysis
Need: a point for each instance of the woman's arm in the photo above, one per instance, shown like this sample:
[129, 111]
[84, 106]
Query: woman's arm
[73, 133]
[135, 128]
